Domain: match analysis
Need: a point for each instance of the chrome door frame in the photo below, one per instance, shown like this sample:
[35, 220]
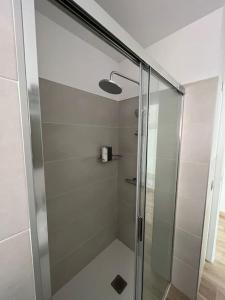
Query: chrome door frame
[26, 48]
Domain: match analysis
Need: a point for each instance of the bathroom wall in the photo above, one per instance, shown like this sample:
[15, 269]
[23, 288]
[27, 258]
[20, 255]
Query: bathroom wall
[84, 51]
[16, 271]
[199, 108]
[192, 53]
[81, 192]
[127, 168]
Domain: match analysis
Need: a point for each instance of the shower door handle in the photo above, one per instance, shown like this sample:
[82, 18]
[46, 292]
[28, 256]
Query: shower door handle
[140, 228]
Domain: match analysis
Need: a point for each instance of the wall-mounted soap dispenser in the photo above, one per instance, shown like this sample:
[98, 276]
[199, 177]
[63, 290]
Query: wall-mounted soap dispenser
[106, 154]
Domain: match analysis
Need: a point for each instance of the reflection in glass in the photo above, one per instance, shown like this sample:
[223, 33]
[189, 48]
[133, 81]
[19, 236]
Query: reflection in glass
[162, 163]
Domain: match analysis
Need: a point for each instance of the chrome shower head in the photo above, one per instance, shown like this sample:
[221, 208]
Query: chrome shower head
[110, 86]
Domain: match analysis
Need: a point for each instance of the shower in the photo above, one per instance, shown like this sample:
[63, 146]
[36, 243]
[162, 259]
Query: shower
[110, 86]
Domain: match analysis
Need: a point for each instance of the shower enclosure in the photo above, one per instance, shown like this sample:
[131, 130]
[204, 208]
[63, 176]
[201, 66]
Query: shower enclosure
[105, 159]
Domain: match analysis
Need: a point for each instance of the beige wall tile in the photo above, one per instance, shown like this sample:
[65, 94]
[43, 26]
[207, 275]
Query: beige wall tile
[8, 66]
[185, 278]
[193, 180]
[196, 142]
[13, 193]
[199, 102]
[187, 248]
[16, 274]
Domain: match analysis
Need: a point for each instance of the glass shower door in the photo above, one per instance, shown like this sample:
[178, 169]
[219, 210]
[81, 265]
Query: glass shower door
[161, 180]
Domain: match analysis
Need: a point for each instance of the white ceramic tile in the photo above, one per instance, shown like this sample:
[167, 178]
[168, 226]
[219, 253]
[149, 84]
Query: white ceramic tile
[16, 273]
[7, 44]
[190, 214]
[184, 278]
[199, 101]
[196, 142]
[13, 194]
[187, 248]
[193, 179]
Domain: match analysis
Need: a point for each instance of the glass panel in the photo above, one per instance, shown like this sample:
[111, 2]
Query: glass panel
[162, 163]
[90, 137]
[141, 176]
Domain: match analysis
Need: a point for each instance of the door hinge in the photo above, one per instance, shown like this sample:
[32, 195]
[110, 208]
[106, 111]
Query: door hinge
[140, 228]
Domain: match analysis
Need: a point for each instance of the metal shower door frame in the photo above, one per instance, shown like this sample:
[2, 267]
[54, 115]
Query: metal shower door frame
[144, 93]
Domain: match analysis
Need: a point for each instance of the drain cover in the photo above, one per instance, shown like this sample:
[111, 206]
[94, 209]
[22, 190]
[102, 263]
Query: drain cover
[118, 284]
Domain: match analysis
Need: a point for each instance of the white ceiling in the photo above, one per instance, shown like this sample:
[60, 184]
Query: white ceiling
[58, 16]
[148, 21]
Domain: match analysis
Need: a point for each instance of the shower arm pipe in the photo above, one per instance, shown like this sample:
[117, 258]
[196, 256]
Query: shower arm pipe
[123, 76]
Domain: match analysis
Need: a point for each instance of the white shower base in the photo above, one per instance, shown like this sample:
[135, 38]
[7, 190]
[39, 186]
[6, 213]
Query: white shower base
[94, 281]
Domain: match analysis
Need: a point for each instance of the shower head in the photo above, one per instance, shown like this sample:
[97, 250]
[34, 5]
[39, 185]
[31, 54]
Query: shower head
[110, 86]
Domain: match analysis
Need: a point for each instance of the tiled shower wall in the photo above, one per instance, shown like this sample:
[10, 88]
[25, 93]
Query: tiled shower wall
[128, 125]
[81, 191]
[16, 271]
[199, 107]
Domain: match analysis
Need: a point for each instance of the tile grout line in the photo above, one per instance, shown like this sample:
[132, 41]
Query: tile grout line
[15, 235]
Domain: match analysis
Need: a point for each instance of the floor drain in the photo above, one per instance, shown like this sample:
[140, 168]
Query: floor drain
[118, 284]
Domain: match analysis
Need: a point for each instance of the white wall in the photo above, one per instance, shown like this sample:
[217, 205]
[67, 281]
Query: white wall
[192, 53]
[65, 58]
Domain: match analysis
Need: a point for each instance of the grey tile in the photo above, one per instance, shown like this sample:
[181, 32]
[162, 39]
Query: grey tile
[164, 206]
[193, 180]
[71, 236]
[126, 230]
[68, 268]
[13, 194]
[168, 141]
[127, 167]
[63, 104]
[162, 243]
[127, 140]
[67, 208]
[126, 192]
[169, 107]
[8, 66]
[165, 176]
[16, 272]
[127, 109]
[63, 141]
[187, 248]
[200, 100]
[66, 175]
